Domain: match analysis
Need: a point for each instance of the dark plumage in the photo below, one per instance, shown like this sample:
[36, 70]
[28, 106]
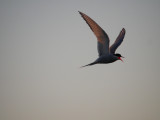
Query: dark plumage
[106, 53]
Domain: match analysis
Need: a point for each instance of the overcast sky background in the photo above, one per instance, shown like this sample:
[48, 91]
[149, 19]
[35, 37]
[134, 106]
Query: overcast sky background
[44, 42]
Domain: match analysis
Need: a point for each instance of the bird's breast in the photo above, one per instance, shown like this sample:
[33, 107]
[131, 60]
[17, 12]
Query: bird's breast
[107, 59]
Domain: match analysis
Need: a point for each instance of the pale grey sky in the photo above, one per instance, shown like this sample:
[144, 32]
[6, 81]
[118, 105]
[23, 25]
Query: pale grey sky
[44, 42]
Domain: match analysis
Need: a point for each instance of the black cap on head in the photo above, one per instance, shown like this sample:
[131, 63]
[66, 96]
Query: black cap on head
[118, 55]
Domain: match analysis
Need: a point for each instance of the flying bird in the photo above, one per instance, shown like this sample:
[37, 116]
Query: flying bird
[106, 54]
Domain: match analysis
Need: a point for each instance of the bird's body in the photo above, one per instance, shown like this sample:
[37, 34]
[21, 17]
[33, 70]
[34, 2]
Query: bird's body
[107, 58]
[104, 59]
[106, 53]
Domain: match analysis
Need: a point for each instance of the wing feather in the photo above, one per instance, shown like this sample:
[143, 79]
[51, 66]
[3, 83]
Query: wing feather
[118, 41]
[102, 37]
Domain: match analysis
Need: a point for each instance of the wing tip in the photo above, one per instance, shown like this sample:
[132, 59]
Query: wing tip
[80, 12]
[123, 30]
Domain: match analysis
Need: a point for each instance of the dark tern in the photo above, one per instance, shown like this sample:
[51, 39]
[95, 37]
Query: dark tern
[106, 54]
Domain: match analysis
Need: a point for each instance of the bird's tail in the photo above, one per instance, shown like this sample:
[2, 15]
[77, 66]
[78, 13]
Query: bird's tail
[89, 64]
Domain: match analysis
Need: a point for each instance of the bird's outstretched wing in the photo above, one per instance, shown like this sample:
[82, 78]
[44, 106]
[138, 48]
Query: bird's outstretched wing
[118, 41]
[102, 37]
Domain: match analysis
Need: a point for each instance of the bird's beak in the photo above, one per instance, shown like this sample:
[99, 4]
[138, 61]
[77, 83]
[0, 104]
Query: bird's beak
[121, 59]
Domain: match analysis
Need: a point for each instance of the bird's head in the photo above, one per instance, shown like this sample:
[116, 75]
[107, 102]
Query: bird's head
[119, 56]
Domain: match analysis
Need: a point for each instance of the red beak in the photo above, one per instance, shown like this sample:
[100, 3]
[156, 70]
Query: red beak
[120, 58]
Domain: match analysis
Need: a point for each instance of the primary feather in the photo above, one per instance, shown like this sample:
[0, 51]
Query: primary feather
[102, 37]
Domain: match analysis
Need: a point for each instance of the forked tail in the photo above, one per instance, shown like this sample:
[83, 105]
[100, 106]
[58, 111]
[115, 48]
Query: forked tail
[89, 64]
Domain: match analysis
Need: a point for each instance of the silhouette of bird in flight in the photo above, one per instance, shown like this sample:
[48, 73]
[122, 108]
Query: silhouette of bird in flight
[106, 54]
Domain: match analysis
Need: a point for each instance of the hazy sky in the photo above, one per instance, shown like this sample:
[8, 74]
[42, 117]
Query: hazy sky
[44, 42]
